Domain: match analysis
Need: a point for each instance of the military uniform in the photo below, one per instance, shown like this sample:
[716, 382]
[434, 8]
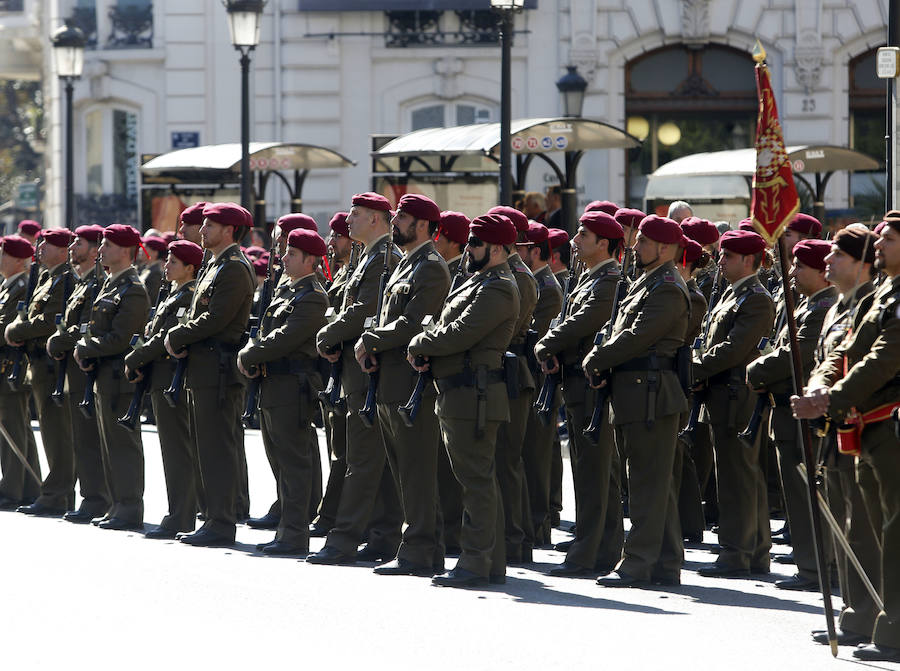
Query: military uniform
[417, 287]
[119, 311]
[287, 358]
[599, 530]
[17, 484]
[173, 425]
[212, 335]
[772, 373]
[741, 318]
[465, 351]
[556, 466]
[646, 401]
[152, 277]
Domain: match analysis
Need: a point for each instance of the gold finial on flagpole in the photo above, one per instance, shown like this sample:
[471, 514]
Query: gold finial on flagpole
[759, 53]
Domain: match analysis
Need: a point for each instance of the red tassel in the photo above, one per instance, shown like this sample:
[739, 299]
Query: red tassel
[684, 259]
[144, 249]
[327, 268]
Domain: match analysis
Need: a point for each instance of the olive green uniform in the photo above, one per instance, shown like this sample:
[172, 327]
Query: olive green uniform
[646, 400]
[742, 317]
[465, 351]
[58, 489]
[152, 278]
[368, 483]
[599, 530]
[119, 311]
[556, 468]
[417, 288]
[173, 425]
[212, 335]
[872, 380]
[287, 358]
[772, 373]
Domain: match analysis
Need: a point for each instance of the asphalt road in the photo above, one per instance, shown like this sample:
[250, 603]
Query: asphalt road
[82, 598]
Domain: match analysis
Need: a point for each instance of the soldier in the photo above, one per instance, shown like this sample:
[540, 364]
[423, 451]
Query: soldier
[173, 423]
[597, 545]
[606, 206]
[464, 353]
[151, 272]
[118, 312]
[742, 317]
[75, 320]
[771, 374]
[31, 331]
[862, 399]
[451, 237]
[367, 479]
[417, 288]
[286, 357]
[191, 218]
[30, 230]
[18, 486]
[707, 235]
[647, 400]
[211, 338]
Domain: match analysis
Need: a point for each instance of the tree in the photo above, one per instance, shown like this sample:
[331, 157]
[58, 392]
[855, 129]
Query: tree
[22, 135]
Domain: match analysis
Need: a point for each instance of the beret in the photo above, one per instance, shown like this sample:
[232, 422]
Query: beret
[307, 241]
[892, 219]
[29, 227]
[692, 250]
[602, 224]
[122, 235]
[420, 207]
[192, 215]
[746, 225]
[454, 226]
[627, 216]
[537, 232]
[812, 252]
[660, 229]
[803, 223]
[17, 246]
[742, 242]
[603, 206]
[58, 237]
[338, 224]
[187, 252]
[518, 218]
[495, 229]
[290, 222]
[700, 230]
[155, 243]
[254, 251]
[169, 236]
[373, 201]
[261, 265]
[853, 241]
[557, 238]
[91, 232]
[228, 214]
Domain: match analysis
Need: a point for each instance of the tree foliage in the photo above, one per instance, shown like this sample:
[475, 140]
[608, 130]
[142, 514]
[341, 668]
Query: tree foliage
[22, 135]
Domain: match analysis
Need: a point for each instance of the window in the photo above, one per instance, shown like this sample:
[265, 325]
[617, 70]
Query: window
[867, 129]
[458, 114]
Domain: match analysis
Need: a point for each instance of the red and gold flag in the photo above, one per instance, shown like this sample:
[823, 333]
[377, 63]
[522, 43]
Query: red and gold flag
[775, 200]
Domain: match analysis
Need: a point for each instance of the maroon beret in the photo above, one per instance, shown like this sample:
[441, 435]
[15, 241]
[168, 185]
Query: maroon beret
[29, 227]
[169, 236]
[742, 242]
[122, 235]
[660, 229]
[228, 214]
[290, 222]
[627, 216]
[602, 225]
[58, 237]
[517, 217]
[700, 230]
[17, 246]
[692, 250]
[187, 252]
[192, 215]
[373, 201]
[420, 207]
[155, 242]
[254, 251]
[307, 241]
[812, 253]
[856, 242]
[803, 223]
[454, 226]
[557, 238]
[261, 265]
[880, 227]
[746, 225]
[91, 232]
[496, 229]
[338, 224]
[603, 206]
[537, 232]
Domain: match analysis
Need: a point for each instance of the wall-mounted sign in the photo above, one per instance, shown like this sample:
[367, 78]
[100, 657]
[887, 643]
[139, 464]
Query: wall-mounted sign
[182, 139]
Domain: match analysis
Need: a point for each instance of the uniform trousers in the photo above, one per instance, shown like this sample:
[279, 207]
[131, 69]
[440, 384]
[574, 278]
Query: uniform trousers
[58, 489]
[86, 442]
[511, 476]
[17, 484]
[537, 457]
[336, 439]
[179, 458]
[450, 499]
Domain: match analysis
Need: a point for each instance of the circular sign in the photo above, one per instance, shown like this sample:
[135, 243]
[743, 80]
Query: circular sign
[532, 142]
[518, 143]
[562, 142]
[798, 165]
[546, 142]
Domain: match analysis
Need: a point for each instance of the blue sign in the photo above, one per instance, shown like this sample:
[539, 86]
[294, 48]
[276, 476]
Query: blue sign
[185, 139]
[546, 142]
[562, 142]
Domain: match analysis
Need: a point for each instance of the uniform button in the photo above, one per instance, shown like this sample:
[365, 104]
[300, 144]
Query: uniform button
[639, 380]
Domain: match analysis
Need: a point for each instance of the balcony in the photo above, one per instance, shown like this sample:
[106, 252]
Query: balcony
[434, 28]
[132, 25]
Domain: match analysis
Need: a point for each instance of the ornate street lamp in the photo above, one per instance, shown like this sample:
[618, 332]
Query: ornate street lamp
[572, 87]
[68, 54]
[506, 9]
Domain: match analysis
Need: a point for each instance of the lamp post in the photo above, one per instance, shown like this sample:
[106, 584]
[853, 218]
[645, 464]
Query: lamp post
[68, 53]
[572, 87]
[506, 9]
[243, 24]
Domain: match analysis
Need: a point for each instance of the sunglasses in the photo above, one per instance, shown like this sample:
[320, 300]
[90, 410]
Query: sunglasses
[474, 242]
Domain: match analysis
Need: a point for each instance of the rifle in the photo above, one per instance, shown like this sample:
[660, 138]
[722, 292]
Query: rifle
[265, 299]
[14, 379]
[86, 406]
[330, 397]
[57, 395]
[749, 434]
[367, 412]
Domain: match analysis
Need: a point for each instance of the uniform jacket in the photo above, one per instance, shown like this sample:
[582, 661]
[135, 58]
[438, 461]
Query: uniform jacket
[152, 276]
[549, 301]
[10, 295]
[75, 313]
[46, 303]
[698, 312]
[528, 295]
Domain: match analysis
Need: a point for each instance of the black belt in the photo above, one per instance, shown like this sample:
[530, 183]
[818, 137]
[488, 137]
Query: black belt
[285, 366]
[642, 363]
[215, 343]
[740, 373]
[465, 379]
